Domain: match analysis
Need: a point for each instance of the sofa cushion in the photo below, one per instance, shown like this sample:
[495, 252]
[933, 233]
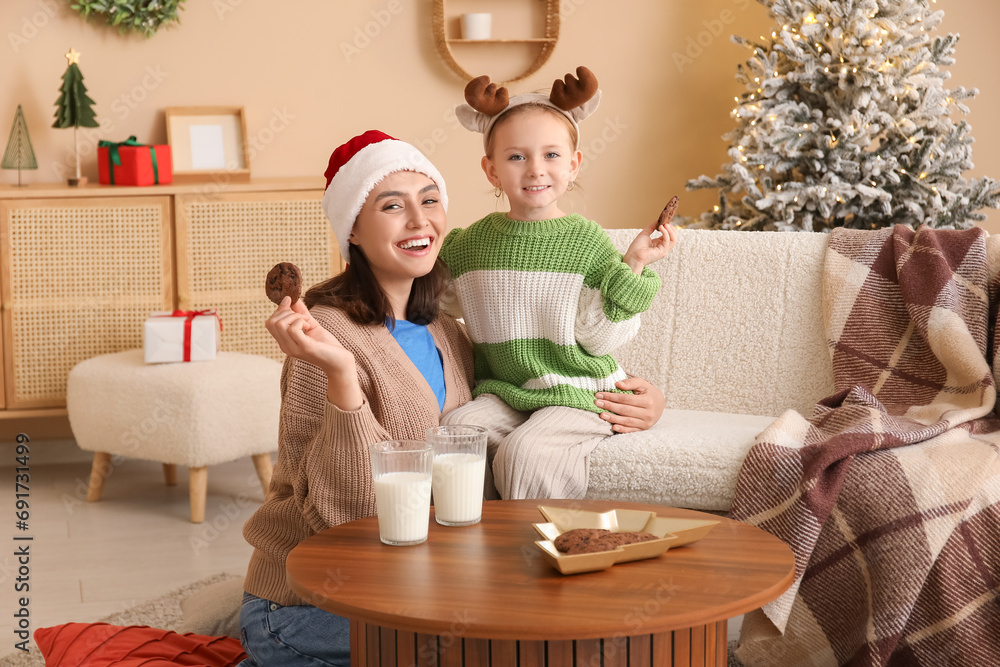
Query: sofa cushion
[689, 459]
[738, 323]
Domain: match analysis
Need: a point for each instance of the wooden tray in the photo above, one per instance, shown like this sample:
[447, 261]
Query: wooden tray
[670, 533]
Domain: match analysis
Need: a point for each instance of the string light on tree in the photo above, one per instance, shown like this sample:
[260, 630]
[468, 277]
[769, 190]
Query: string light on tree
[859, 130]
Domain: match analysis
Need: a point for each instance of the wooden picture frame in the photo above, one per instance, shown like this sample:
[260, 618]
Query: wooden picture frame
[208, 143]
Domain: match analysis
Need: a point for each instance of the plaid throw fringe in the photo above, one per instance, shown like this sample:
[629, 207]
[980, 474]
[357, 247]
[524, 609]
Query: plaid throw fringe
[889, 494]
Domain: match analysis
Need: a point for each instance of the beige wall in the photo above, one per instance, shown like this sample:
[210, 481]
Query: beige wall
[310, 77]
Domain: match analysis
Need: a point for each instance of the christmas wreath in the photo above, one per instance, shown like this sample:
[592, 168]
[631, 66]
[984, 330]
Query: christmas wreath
[144, 16]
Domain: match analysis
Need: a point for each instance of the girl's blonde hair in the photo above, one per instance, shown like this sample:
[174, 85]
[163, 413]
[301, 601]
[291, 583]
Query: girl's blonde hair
[574, 137]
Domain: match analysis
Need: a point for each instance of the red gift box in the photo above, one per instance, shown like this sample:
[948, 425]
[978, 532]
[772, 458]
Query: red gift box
[131, 163]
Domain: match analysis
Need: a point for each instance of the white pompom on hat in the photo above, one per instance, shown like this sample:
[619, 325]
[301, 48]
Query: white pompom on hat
[357, 166]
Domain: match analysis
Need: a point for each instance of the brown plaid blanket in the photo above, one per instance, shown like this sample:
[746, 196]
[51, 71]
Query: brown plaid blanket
[889, 494]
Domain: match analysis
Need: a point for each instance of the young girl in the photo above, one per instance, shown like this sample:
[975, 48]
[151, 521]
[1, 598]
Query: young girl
[546, 297]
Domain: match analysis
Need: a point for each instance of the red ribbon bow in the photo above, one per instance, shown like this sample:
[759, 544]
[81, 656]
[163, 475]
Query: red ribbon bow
[189, 316]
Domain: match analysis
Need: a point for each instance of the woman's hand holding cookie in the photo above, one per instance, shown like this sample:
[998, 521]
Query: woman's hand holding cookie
[283, 280]
[300, 336]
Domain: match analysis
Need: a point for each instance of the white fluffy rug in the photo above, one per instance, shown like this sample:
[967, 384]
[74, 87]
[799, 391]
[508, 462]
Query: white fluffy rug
[163, 612]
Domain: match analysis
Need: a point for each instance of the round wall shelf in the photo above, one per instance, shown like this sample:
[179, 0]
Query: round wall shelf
[545, 44]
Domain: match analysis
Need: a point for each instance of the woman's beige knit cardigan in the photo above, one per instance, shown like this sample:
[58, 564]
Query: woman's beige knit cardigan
[323, 476]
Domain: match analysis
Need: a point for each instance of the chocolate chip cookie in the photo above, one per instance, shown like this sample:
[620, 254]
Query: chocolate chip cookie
[283, 280]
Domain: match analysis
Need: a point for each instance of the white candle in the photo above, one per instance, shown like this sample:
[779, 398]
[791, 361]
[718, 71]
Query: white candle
[477, 25]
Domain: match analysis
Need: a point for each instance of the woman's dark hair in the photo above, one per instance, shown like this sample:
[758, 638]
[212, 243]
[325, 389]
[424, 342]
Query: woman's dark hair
[358, 293]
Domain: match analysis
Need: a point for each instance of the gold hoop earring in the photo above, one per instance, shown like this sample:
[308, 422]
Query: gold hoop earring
[571, 186]
[498, 191]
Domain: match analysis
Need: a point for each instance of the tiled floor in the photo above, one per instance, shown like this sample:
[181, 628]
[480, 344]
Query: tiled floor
[88, 560]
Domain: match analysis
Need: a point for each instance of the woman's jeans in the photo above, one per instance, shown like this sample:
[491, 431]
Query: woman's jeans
[303, 635]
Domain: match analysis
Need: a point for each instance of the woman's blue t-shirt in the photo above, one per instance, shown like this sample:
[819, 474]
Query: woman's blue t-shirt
[417, 342]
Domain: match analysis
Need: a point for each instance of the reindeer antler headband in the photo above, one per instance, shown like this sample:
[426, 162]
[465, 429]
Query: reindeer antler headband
[575, 97]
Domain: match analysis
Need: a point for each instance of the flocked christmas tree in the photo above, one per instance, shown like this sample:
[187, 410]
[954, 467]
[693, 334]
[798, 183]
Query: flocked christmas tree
[74, 108]
[19, 154]
[846, 122]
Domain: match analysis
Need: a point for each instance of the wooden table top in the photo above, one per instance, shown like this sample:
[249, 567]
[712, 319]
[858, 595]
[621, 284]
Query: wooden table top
[489, 580]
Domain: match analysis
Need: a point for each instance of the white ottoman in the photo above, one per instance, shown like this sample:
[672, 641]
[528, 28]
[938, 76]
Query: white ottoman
[193, 414]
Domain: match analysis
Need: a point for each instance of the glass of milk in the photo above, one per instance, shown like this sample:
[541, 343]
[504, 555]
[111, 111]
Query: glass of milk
[401, 470]
[459, 471]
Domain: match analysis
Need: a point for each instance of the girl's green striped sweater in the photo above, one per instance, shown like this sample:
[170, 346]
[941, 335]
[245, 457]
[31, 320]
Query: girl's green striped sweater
[545, 304]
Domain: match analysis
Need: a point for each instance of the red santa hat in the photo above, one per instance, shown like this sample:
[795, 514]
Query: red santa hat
[357, 166]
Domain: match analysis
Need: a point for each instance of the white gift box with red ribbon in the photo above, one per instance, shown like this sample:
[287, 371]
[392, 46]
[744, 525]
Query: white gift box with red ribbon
[181, 335]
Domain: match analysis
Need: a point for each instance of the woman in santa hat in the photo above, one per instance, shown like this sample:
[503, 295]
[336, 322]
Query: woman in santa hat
[369, 359]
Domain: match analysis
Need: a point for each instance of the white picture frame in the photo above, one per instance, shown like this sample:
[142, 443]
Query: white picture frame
[208, 143]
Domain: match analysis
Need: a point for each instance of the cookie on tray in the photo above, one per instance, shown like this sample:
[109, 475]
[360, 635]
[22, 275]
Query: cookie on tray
[591, 540]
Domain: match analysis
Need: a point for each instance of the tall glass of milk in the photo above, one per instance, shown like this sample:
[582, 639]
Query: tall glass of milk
[401, 470]
[459, 471]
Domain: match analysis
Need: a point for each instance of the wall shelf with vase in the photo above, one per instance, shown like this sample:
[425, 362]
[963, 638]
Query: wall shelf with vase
[546, 44]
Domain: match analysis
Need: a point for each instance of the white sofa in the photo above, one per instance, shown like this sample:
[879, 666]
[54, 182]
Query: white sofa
[734, 338]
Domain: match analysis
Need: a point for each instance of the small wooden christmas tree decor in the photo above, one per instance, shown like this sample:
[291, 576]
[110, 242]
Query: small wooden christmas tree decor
[19, 154]
[73, 108]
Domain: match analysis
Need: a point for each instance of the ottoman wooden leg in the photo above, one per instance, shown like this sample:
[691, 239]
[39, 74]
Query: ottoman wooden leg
[99, 472]
[170, 473]
[198, 480]
[262, 464]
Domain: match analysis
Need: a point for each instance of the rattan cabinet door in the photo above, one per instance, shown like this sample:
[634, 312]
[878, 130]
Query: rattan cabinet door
[226, 244]
[78, 277]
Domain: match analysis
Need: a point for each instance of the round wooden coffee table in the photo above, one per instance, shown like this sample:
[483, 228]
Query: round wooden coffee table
[483, 595]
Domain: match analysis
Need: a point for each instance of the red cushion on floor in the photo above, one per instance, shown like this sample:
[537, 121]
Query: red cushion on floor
[100, 644]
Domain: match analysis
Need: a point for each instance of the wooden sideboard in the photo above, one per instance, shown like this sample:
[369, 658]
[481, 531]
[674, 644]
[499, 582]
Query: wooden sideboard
[81, 268]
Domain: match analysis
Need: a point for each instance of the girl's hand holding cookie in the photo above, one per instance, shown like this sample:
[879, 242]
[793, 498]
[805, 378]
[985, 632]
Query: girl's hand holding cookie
[645, 250]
